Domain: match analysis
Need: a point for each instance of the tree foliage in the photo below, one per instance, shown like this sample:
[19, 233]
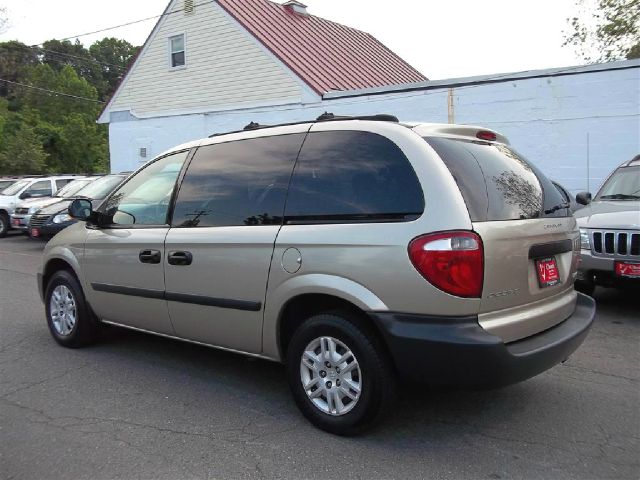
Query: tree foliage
[605, 30]
[52, 128]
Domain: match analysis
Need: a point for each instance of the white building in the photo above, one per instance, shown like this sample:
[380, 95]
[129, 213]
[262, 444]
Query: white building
[213, 67]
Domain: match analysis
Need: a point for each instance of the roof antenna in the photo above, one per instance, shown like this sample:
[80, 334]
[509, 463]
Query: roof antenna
[252, 126]
[325, 116]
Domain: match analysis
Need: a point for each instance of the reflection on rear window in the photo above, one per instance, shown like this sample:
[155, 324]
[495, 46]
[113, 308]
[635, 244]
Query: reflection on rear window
[496, 182]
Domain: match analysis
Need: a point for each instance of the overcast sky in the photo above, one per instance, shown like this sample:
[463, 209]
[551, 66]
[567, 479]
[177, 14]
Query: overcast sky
[441, 39]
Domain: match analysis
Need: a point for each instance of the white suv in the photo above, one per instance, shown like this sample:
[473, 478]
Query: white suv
[36, 187]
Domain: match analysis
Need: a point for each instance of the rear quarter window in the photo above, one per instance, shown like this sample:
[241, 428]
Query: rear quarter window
[497, 183]
[352, 176]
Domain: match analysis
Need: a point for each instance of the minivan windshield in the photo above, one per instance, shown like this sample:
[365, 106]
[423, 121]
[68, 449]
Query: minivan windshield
[99, 189]
[16, 187]
[624, 184]
[72, 188]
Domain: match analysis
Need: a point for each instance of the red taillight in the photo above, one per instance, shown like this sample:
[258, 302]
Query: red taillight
[487, 135]
[452, 261]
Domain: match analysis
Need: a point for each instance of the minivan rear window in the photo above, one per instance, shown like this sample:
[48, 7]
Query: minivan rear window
[497, 183]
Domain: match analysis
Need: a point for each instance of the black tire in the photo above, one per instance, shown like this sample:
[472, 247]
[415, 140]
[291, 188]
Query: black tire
[585, 287]
[4, 224]
[86, 328]
[378, 382]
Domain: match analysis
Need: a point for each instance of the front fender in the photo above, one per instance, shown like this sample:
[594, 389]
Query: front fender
[313, 283]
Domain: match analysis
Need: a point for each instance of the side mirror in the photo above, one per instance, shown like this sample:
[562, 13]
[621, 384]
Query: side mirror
[24, 195]
[583, 198]
[80, 209]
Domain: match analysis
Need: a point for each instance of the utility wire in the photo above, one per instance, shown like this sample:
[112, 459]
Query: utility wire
[133, 22]
[85, 59]
[51, 92]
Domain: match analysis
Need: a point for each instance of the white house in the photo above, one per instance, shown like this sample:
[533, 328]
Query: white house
[210, 67]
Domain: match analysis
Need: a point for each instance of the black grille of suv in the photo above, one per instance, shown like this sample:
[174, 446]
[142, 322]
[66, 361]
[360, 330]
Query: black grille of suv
[616, 243]
[38, 220]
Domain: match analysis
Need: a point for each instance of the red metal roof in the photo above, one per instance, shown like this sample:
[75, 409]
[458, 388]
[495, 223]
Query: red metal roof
[324, 54]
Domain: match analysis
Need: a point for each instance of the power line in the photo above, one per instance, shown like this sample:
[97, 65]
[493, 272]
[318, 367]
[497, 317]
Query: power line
[91, 60]
[51, 92]
[133, 22]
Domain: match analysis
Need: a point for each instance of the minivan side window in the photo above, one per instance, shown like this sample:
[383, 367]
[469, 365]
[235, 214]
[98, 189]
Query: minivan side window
[237, 183]
[145, 198]
[345, 176]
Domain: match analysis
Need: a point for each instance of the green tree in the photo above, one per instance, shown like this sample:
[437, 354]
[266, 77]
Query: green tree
[52, 107]
[15, 61]
[58, 54]
[23, 153]
[114, 55]
[605, 30]
[82, 146]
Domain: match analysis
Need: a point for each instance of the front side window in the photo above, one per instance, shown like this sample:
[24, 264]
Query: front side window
[347, 176]
[145, 198]
[40, 189]
[237, 183]
[177, 51]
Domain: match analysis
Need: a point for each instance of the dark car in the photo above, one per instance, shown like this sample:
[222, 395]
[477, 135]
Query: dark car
[50, 220]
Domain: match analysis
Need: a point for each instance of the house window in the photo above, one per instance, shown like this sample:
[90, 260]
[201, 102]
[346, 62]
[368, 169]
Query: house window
[177, 51]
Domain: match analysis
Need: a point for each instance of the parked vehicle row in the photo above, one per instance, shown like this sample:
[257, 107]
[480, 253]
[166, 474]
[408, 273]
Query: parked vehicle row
[26, 197]
[357, 251]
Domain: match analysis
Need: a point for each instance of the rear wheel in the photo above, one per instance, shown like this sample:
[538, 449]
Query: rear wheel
[4, 224]
[339, 374]
[70, 320]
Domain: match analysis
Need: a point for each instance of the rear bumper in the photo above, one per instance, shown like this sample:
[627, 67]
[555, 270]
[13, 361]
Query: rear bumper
[458, 352]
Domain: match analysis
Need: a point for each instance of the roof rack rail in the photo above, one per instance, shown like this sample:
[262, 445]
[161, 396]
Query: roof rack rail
[325, 117]
[381, 117]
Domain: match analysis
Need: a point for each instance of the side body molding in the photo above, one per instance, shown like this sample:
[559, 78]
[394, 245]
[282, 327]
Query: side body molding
[314, 283]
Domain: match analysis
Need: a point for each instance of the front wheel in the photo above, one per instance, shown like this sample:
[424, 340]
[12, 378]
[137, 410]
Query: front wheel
[4, 224]
[70, 320]
[339, 374]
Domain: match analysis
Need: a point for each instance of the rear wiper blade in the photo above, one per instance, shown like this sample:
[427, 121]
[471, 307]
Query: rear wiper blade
[622, 196]
[555, 208]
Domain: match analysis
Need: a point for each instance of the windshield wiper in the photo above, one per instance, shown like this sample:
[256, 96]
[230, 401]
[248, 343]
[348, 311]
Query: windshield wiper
[621, 196]
[555, 208]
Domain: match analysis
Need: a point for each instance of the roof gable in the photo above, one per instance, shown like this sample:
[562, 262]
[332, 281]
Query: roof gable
[328, 56]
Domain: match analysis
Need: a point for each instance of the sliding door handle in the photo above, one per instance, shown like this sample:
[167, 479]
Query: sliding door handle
[150, 256]
[180, 258]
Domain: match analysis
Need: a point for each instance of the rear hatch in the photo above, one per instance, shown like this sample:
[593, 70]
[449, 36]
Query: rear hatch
[528, 233]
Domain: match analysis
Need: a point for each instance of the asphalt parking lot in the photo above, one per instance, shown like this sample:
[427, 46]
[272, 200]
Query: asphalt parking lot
[137, 406]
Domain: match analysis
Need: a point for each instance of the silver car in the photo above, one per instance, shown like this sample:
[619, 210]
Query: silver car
[357, 251]
[610, 231]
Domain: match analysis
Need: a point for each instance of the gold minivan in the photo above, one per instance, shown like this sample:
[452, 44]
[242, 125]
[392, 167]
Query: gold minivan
[356, 250]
